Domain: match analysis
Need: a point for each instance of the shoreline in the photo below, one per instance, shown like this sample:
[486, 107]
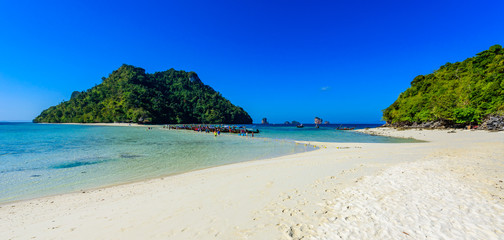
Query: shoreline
[308, 145]
[162, 177]
[281, 198]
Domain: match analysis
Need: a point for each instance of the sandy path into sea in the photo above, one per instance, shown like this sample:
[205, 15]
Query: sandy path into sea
[450, 187]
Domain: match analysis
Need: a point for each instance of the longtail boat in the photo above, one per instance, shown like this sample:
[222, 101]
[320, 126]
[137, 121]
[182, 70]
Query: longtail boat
[345, 128]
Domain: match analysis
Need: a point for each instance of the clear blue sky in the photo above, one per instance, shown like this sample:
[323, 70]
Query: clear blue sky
[343, 61]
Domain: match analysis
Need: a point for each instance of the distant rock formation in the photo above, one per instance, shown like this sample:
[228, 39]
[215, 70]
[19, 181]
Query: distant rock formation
[287, 122]
[318, 120]
[327, 122]
[295, 123]
[264, 121]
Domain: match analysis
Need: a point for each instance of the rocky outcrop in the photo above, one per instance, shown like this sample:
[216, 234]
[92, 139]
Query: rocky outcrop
[441, 124]
[493, 122]
[193, 77]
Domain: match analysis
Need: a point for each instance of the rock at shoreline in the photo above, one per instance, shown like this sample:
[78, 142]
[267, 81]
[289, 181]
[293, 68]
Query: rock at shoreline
[492, 123]
[430, 124]
[495, 123]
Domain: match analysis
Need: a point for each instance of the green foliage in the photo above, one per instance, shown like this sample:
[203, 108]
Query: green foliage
[462, 92]
[131, 95]
[465, 115]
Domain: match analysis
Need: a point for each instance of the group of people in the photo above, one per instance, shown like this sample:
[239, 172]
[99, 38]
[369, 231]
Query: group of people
[216, 130]
[244, 133]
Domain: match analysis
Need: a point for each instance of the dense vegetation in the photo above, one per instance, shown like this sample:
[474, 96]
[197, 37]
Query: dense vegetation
[131, 95]
[459, 93]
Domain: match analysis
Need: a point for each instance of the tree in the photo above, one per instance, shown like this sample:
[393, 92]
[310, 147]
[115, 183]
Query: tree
[130, 94]
[462, 92]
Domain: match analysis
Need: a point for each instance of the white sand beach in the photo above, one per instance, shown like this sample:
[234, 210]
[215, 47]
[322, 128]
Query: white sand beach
[449, 187]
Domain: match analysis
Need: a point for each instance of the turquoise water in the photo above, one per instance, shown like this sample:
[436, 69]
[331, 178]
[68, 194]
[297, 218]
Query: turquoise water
[46, 159]
[325, 133]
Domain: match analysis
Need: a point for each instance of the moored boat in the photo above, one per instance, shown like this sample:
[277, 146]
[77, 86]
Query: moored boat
[345, 128]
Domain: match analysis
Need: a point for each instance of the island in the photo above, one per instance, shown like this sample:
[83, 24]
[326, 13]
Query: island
[461, 94]
[131, 95]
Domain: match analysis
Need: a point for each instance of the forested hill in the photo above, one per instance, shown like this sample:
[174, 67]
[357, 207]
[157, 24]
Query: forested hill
[460, 93]
[131, 95]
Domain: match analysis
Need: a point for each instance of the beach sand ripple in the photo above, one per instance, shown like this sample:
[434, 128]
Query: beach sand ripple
[419, 200]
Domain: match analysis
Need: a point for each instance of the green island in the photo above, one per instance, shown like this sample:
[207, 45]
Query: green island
[131, 95]
[455, 95]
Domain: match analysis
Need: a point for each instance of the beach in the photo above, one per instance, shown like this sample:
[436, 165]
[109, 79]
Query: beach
[450, 186]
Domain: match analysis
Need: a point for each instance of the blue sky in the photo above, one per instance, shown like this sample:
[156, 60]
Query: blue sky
[343, 61]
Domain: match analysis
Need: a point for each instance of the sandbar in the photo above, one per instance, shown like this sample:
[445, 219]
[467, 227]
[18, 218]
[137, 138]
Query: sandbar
[450, 186]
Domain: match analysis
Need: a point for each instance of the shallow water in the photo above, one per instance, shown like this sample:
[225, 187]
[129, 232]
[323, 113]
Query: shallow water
[45, 159]
[325, 133]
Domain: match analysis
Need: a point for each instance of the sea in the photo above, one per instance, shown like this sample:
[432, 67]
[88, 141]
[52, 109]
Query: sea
[39, 160]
